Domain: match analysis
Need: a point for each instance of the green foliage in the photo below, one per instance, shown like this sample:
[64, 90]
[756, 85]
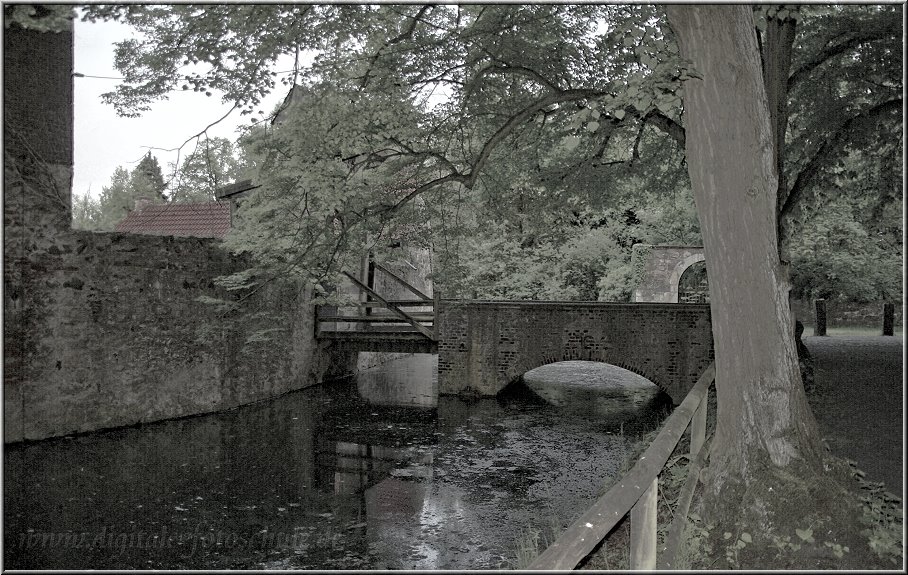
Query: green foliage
[531, 542]
[510, 124]
[213, 164]
[119, 197]
[147, 181]
[883, 516]
[86, 212]
[834, 256]
[845, 103]
[39, 17]
[696, 539]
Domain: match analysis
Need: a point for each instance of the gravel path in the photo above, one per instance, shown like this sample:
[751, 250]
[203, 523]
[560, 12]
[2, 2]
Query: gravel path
[858, 402]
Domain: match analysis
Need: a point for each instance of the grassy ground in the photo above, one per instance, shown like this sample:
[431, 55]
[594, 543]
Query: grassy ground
[852, 331]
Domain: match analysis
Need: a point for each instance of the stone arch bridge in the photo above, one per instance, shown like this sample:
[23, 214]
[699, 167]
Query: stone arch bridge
[485, 345]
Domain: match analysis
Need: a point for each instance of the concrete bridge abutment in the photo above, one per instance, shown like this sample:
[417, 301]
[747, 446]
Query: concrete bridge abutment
[485, 345]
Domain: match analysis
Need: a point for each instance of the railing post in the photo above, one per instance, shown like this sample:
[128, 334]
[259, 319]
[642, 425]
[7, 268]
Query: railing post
[888, 318]
[698, 427]
[820, 328]
[643, 529]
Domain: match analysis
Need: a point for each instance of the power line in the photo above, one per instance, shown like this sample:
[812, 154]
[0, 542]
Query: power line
[81, 75]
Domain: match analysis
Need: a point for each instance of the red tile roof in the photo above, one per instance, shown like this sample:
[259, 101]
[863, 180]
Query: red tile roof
[201, 220]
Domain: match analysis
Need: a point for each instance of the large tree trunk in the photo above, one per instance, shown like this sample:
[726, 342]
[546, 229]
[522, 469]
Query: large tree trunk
[777, 45]
[764, 425]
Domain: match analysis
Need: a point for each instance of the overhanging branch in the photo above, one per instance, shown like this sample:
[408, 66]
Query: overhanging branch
[881, 29]
[672, 128]
[830, 146]
[521, 117]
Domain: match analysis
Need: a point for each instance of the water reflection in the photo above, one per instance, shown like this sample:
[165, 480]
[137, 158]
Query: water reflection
[626, 400]
[319, 479]
[398, 379]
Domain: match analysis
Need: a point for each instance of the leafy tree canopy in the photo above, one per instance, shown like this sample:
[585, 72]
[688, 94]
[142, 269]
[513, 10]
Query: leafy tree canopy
[213, 164]
[119, 198]
[501, 119]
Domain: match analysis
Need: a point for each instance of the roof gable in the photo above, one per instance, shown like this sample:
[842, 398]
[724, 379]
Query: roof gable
[199, 220]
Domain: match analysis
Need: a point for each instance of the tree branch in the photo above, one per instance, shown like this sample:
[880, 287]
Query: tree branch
[667, 125]
[831, 145]
[882, 29]
[408, 33]
[519, 118]
[519, 70]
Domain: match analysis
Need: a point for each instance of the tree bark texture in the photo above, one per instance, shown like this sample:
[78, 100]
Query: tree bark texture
[763, 418]
[777, 46]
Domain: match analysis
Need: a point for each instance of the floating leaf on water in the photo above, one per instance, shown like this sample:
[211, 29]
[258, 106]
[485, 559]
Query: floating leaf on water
[805, 534]
[569, 143]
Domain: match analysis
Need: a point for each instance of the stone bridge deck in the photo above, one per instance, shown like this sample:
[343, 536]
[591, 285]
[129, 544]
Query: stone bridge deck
[485, 345]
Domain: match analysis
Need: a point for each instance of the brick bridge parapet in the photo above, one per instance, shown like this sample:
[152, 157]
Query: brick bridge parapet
[485, 345]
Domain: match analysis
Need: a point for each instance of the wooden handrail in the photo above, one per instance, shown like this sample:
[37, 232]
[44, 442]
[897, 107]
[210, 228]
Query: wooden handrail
[397, 302]
[403, 315]
[373, 318]
[635, 492]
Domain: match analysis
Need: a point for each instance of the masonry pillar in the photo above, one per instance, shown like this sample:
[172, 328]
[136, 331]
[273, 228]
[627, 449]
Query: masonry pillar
[37, 178]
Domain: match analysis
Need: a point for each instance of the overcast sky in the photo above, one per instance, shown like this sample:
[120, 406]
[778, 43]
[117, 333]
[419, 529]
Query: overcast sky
[104, 140]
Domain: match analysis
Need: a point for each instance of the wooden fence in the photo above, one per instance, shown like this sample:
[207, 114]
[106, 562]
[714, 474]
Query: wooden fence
[637, 493]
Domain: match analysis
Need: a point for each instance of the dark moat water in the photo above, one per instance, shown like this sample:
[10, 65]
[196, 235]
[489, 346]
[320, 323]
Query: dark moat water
[323, 479]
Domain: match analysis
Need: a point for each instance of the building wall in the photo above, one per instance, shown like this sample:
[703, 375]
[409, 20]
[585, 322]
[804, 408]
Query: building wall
[662, 268]
[105, 330]
[484, 346]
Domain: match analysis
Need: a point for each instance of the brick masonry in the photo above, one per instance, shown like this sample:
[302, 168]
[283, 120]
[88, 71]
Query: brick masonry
[105, 330]
[484, 346]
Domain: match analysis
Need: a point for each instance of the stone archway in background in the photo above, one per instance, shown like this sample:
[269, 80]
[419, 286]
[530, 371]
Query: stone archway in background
[693, 285]
[660, 269]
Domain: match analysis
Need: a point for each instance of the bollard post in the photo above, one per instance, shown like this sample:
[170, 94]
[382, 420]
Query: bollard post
[820, 328]
[888, 318]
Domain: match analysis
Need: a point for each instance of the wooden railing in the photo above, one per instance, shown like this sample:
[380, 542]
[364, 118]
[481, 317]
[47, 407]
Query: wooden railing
[417, 320]
[637, 493]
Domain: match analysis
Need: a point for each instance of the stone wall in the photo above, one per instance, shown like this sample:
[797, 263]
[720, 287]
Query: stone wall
[105, 330]
[693, 286]
[483, 346]
[661, 268]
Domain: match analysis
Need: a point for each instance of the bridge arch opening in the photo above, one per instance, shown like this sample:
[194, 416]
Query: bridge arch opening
[615, 396]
